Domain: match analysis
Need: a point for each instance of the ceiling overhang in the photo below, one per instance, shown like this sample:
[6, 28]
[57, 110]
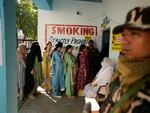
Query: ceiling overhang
[47, 4]
[92, 0]
[43, 4]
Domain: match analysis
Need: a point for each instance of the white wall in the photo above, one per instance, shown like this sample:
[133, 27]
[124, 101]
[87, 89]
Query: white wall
[64, 12]
[116, 11]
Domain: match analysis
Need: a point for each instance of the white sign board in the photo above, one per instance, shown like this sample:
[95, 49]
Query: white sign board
[74, 35]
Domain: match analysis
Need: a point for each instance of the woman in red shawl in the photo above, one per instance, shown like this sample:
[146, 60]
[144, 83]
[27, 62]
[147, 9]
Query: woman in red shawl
[82, 69]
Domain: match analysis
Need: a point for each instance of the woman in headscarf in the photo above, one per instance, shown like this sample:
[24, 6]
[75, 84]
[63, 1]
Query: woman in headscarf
[102, 78]
[21, 51]
[70, 71]
[33, 70]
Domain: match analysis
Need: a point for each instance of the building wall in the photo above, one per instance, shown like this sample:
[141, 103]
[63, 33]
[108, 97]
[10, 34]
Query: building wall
[91, 14]
[65, 13]
[116, 11]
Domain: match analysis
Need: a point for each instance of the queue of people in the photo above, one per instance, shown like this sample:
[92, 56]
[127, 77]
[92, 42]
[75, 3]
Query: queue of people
[128, 87]
[56, 70]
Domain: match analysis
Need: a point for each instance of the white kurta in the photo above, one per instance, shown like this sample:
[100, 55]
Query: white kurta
[102, 78]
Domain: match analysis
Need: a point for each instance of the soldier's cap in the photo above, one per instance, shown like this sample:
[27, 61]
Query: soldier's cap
[137, 18]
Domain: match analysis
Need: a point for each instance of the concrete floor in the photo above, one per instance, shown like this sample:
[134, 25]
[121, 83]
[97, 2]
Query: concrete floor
[45, 103]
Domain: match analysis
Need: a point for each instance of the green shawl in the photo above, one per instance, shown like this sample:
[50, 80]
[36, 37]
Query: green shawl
[132, 74]
[131, 71]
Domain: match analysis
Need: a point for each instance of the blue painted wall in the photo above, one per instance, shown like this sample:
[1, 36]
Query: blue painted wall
[8, 79]
[43, 4]
[8, 73]
[3, 97]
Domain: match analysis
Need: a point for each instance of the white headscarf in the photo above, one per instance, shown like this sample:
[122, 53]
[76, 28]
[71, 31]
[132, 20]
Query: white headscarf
[105, 73]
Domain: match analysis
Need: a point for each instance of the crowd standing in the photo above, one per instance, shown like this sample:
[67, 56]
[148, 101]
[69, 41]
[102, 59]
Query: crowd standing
[56, 70]
[128, 88]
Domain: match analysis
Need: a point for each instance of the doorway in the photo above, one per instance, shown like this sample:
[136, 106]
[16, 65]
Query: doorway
[105, 43]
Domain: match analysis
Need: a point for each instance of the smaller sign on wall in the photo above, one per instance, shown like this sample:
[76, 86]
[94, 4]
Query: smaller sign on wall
[88, 37]
[105, 23]
[116, 42]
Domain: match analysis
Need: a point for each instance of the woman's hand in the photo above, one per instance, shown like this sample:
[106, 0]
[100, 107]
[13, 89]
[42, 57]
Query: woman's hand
[32, 72]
